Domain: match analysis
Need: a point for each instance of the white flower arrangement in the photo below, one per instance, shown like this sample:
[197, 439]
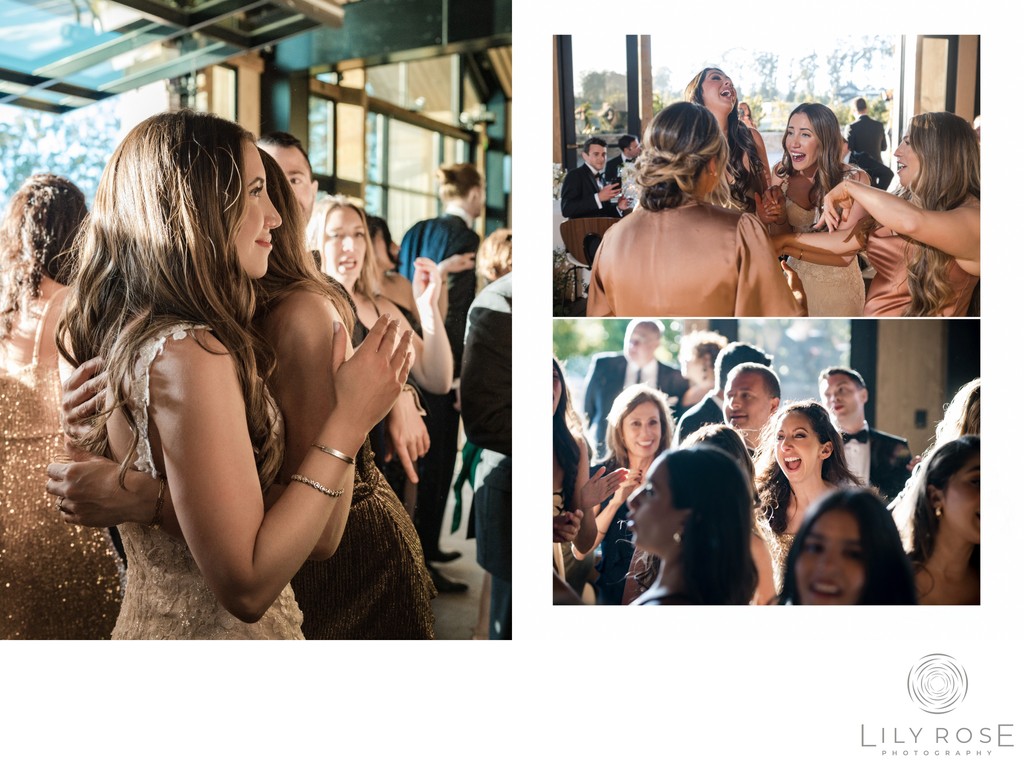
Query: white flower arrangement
[557, 176]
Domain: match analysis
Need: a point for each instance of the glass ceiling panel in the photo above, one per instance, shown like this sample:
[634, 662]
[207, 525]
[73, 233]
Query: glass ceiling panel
[67, 53]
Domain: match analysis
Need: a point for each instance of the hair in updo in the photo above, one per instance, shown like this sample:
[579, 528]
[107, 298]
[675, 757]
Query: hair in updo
[679, 144]
[457, 181]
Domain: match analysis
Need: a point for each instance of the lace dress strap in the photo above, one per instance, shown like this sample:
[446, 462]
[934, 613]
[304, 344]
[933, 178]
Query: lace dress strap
[150, 350]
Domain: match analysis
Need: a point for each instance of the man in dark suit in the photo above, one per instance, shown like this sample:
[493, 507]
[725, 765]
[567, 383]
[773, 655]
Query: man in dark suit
[610, 373]
[629, 150]
[710, 408]
[877, 458]
[450, 241]
[866, 138]
[487, 415]
[584, 192]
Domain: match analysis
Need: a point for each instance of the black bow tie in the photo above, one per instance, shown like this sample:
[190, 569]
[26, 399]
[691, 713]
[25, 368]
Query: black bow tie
[860, 436]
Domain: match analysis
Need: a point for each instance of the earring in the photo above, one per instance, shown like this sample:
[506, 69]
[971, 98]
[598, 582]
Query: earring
[938, 511]
[677, 536]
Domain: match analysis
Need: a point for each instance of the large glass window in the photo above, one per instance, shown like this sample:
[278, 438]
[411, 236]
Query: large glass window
[599, 84]
[321, 135]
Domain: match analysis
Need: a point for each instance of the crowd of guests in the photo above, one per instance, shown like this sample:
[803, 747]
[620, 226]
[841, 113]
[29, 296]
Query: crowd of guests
[748, 497]
[719, 232]
[258, 427]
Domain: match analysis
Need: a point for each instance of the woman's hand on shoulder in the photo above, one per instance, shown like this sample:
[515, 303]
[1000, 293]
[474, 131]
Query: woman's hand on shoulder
[83, 396]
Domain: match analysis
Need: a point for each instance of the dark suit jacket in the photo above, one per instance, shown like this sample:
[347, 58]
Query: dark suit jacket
[889, 457]
[866, 136]
[486, 392]
[703, 412]
[578, 190]
[437, 239]
[606, 380]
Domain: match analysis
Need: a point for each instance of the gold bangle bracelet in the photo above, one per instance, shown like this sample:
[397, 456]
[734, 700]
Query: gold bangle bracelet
[158, 512]
[317, 485]
[335, 453]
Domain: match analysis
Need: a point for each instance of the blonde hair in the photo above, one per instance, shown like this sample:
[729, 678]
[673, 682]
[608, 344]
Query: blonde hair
[368, 282]
[495, 257]
[679, 145]
[160, 250]
[950, 175]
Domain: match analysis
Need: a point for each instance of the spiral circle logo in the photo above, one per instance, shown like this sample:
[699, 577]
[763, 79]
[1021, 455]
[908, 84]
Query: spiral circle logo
[937, 683]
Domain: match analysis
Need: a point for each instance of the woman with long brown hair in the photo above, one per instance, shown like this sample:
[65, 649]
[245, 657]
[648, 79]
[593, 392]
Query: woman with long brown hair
[811, 165]
[164, 292]
[747, 170]
[924, 240]
[800, 459]
[61, 582]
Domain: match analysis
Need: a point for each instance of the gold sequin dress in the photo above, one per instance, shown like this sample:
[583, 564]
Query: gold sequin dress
[57, 581]
[376, 585]
[166, 595]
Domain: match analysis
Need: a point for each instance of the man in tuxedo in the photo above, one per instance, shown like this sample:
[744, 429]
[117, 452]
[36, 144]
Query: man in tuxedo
[629, 148]
[710, 408]
[611, 373]
[866, 138]
[875, 457]
[584, 192]
[752, 395]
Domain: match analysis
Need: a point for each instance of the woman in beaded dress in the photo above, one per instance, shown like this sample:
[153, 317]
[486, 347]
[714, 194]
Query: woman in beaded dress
[924, 239]
[57, 581]
[175, 283]
[811, 165]
[375, 585]
[800, 459]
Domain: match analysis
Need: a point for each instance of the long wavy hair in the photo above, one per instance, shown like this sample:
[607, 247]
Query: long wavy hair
[290, 266]
[741, 144]
[679, 145]
[628, 400]
[159, 250]
[772, 484]
[950, 175]
[36, 238]
[943, 463]
[368, 282]
[567, 429]
[717, 565]
[829, 170]
[963, 414]
[888, 576]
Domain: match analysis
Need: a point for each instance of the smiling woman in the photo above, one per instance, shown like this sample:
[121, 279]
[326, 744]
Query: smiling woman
[848, 552]
[801, 458]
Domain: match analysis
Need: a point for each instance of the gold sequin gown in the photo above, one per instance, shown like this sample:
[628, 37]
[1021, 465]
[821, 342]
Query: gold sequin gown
[57, 581]
[376, 585]
[166, 595]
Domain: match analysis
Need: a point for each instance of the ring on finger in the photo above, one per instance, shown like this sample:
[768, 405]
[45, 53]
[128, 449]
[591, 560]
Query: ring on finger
[60, 504]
